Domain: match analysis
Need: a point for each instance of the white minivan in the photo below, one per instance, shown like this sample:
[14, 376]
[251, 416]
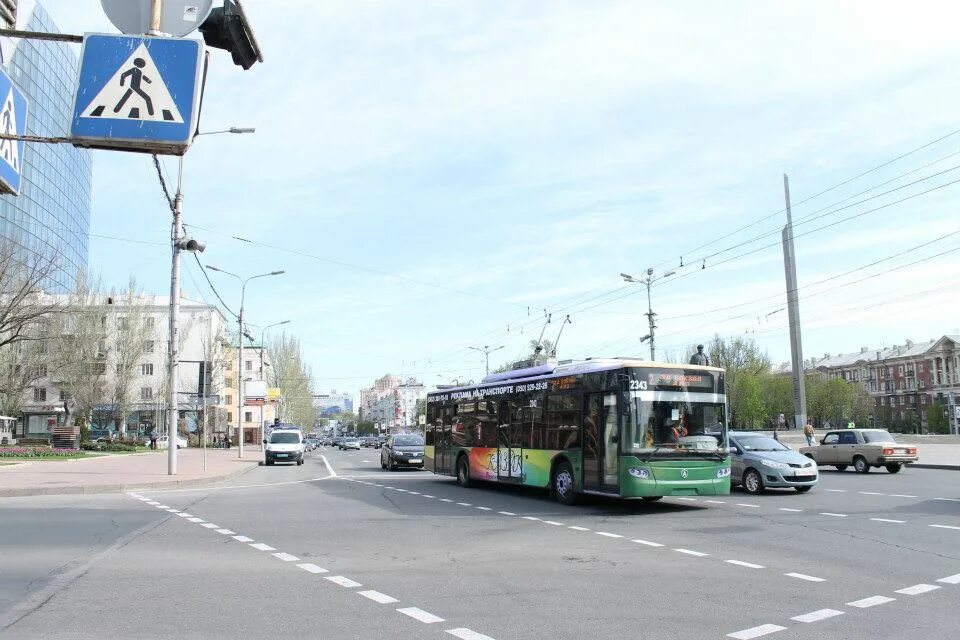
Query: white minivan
[284, 445]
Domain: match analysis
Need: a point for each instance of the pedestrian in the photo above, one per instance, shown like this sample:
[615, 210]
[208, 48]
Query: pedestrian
[153, 438]
[226, 442]
[808, 431]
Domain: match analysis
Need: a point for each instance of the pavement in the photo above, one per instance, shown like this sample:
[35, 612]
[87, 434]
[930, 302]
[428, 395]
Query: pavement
[341, 549]
[118, 473]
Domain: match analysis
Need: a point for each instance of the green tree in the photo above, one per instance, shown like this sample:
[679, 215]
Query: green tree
[739, 357]
[937, 421]
[366, 428]
[777, 389]
[748, 396]
[295, 380]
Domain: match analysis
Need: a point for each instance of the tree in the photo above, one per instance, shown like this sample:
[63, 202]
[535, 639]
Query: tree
[421, 410]
[777, 391]
[366, 428]
[293, 377]
[21, 365]
[937, 421]
[131, 326]
[740, 357]
[748, 397]
[25, 309]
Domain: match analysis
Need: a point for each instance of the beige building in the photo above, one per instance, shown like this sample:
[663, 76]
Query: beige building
[258, 410]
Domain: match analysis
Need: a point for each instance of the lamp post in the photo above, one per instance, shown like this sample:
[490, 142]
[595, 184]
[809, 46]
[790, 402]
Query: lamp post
[243, 294]
[486, 351]
[649, 280]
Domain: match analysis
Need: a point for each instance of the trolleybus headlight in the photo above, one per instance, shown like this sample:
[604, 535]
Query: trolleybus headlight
[723, 473]
[643, 474]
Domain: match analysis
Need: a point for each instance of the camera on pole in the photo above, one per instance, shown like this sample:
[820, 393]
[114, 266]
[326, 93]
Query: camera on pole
[227, 28]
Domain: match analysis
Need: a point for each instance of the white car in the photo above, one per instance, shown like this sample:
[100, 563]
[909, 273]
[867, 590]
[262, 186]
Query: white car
[284, 445]
[350, 443]
[163, 442]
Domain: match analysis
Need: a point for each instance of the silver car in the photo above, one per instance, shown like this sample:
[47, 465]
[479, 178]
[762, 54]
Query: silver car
[758, 462]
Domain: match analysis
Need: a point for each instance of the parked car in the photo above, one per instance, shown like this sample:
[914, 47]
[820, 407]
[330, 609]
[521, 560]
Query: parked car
[100, 435]
[759, 462]
[862, 448]
[350, 443]
[402, 450]
[284, 445]
[164, 441]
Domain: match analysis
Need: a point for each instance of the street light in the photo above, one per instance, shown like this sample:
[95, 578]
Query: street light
[487, 351]
[230, 130]
[243, 294]
[649, 280]
[179, 243]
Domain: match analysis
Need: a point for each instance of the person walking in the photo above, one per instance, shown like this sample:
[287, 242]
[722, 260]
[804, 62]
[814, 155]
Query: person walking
[153, 438]
[808, 432]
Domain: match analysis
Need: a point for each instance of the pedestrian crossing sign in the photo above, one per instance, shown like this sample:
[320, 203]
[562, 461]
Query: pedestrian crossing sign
[138, 93]
[13, 122]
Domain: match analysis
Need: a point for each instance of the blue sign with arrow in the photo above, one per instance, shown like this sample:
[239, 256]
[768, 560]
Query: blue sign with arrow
[138, 93]
[13, 121]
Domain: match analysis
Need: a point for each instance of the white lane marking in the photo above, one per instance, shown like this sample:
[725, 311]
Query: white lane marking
[259, 546]
[608, 535]
[184, 514]
[752, 506]
[553, 522]
[464, 504]
[467, 634]
[152, 503]
[888, 520]
[376, 596]
[578, 528]
[226, 532]
[917, 589]
[530, 518]
[755, 632]
[803, 576]
[647, 543]
[872, 601]
[163, 506]
[506, 513]
[426, 496]
[312, 568]
[790, 510]
[445, 500]
[210, 525]
[420, 615]
[716, 501]
[333, 474]
[833, 515]
[837, 490]
[344, 582]
[484, 508]
[414, 493]
[901, 495]
[401, 490]
[818, 615]
[194, 519]
[286, 557]
[172, 510]
[944, 526]
[871, 493]
[748, 565]
[688, 499]
[691, 552]
[948, 499]
[242, 539]
[389, 487]
[954, 579]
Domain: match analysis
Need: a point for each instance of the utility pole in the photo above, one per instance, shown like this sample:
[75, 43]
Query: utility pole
[793, 312]
[651, 316]
[174, 323]
[487, 351]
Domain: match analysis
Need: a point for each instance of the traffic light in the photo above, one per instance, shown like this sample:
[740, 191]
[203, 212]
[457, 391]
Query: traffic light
[205, 379]
[227, 28]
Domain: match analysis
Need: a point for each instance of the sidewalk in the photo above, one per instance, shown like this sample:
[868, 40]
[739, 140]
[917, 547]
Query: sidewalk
[936, 452]
[114, 474]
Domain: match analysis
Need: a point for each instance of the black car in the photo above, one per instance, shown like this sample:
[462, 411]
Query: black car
[402, 450]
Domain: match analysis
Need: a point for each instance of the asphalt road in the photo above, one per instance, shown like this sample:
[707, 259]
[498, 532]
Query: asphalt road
[339, 548]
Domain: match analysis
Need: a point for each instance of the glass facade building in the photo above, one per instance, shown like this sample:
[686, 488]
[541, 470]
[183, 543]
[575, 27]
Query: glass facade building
[51, 216]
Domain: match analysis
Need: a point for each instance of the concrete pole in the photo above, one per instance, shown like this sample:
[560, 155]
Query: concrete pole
[240, 378]
[156, 13]
[793, 312]
[174, 327]
[653, 326]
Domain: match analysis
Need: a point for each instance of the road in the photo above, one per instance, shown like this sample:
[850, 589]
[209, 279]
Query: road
[339, 548]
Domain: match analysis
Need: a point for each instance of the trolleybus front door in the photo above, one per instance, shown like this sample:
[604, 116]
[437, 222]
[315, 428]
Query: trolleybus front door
[600, 437]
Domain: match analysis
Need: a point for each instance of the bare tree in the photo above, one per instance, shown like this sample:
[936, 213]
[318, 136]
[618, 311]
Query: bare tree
[294, 378]
[22, 364]
[24, 307]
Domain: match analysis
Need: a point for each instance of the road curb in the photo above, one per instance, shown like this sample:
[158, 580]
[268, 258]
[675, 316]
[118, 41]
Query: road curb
[121, 488]
[942, 467]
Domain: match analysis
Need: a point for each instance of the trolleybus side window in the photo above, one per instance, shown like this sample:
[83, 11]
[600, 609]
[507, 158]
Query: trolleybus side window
[485, 424]
[563, 421]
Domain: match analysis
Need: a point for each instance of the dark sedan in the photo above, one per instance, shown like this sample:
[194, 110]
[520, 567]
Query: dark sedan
[402, 450]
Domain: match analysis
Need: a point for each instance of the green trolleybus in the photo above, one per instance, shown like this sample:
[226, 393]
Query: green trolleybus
[616, 427]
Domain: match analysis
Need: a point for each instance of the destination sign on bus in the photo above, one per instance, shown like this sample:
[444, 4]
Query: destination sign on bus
[683, 380]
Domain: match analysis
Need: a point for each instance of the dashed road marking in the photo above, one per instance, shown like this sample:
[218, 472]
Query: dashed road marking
[172, 510]
[242, 539]
[578, 528]
[803, 576]
[464, 504]
[872, 601]
[467, 634]
[691, 552]
[688, 499]
[286, 557]
[445, 500]
[226, 532]
[312, 568]
[420, 615]
[748, 565]
[194, 519]
[744, 504]
[836, 490]
[790, 510]
[608, 535]
[344, 582]
[948, 499]
[917, 589]
[163, 506]
[833, 515]
[184, 514]
[376, 596]
[414, 493]
[647, 543]
[553, 522]
[210, 525]
[506, 513]
[259, 546]
[426, 496]
[902, 495]
[716, 501]
[755, 632]
[954, 579]
[818, 615]
[888, 520]
[530, 518]
[484, 508]
[871, 493]
[944, 526]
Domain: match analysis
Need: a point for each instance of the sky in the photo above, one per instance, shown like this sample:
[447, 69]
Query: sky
[435, 176]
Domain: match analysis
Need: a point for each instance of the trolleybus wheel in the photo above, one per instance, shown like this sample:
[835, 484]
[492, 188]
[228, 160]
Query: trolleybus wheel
[463, 471]
[562, 484]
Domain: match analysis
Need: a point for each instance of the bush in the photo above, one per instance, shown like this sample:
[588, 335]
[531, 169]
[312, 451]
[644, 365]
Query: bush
[36, 452]
[107, 446]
